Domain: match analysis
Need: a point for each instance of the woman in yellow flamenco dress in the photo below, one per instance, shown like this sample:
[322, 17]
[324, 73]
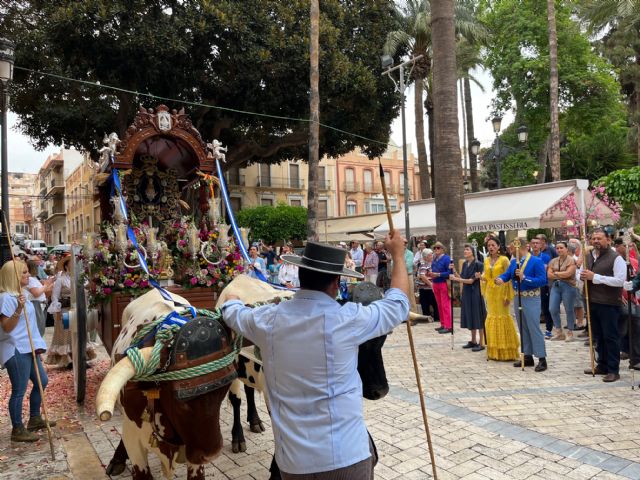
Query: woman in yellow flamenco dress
[502, 339]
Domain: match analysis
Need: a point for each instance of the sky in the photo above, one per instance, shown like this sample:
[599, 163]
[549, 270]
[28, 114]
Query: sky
[24, 158]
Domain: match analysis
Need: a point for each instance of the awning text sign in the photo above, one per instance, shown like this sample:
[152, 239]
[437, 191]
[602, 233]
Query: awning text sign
[496, 227]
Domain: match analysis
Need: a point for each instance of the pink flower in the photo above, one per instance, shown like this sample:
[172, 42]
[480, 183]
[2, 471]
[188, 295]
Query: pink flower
[128, 282]
[194, 280]
[144, 284]
[106, 291]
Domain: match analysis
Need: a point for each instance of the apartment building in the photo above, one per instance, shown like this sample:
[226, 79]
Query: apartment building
[22, 196]
[81, 207]
[263, 184]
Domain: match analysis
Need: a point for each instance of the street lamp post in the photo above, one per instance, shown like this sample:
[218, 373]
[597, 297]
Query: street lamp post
[387, 63]
[496, 122]
[6, 75]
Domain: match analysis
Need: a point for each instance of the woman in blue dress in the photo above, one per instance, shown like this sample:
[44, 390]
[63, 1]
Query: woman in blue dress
[473, 310]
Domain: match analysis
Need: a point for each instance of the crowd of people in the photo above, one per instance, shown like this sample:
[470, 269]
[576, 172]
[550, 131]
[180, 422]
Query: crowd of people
[36, 290]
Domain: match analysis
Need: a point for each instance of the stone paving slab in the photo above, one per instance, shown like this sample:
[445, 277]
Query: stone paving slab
[488, 420]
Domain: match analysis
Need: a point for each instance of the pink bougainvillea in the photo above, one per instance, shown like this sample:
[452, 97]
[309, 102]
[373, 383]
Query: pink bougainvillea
[593, 210]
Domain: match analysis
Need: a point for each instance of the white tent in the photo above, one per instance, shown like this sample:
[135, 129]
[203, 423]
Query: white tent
[519, 208]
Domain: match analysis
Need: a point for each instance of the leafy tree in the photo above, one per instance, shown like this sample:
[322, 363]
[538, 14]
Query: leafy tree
[273, 224]
[233, 54]
[518, 58]
[624, 187]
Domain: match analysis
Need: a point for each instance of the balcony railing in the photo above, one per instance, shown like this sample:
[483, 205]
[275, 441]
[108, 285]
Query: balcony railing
[278, 182]
[350, 186]
[372, 188]
[324, 184]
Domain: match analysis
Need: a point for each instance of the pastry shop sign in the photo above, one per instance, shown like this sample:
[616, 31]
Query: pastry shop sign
[496, 227]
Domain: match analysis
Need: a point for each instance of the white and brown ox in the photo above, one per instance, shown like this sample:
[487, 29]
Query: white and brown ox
[175, 424]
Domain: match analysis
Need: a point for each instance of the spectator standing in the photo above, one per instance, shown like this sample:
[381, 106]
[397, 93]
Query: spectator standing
[575, 249]
[425, 287]
[37, 294]
[561, 273]
[255, 262]
[357, 255]
[439, 277]
[383, 261]
[408, 260]
[269, 255]
[370, 264]
[536, 250]
[417, 257]
[473, 311]
[15, 351]
[605, 273]
[546, 247]
[288, 273]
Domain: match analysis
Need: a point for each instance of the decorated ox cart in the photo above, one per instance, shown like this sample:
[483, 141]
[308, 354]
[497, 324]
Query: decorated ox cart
[161, 219]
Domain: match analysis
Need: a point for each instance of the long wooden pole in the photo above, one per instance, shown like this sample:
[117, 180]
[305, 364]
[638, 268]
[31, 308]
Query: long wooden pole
[33, 350]
[586, 296]
[416, 369]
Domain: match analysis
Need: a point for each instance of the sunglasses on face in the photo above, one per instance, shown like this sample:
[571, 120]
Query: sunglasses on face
[437, 248]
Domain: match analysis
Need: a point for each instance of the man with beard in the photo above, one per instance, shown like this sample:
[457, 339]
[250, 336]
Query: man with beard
[605, 274]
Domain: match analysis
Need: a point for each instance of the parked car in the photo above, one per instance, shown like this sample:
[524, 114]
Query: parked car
[19, 239]
[61, 249]
[35, 247]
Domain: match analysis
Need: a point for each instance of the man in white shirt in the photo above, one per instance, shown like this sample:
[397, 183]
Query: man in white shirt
[417, 257]
[310, 351]
[357, 255]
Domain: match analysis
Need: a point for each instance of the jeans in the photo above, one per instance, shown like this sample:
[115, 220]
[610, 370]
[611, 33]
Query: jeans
[530, 333]
[544, 305]
[20, 370]
[565, 293]
[604, 327]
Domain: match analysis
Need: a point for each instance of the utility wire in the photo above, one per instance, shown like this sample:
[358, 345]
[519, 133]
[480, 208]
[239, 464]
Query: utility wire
[199, 104]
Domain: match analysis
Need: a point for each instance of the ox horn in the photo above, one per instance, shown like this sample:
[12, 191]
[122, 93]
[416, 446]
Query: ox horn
[115, 381]
[417, 317]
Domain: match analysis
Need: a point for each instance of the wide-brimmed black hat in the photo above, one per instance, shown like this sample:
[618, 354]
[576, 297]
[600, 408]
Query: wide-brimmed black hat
[322, 258]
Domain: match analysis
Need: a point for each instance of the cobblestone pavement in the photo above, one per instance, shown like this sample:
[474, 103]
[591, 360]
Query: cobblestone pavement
[488, 420]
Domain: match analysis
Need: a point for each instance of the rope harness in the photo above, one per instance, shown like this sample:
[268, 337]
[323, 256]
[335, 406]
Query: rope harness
[164, 336]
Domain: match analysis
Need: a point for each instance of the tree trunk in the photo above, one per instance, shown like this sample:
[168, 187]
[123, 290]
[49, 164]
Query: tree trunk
[314, 125]
[432, 141]
[543, 157]
[450, 208]
[125, 104]
[465, 151]
[423, 161]
[473, 159]
[554, 152]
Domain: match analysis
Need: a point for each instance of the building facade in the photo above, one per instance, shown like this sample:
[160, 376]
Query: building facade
[81, 209]
[263, 184]
[22, 196]
[359, 190]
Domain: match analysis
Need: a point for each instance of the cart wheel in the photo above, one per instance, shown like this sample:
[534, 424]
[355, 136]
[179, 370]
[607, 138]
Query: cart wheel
[78, 321]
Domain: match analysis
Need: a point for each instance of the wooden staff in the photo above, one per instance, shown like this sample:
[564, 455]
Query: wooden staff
[627, 242]
[416, 369]
[33, 350]
[516, 246]
[451, 270]
[586, 296]
[483, 335]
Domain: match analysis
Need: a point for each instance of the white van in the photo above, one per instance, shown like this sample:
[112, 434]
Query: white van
[35, 247]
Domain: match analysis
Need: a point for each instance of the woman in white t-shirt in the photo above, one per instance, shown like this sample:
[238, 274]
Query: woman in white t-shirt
[15, 351]
[37, 294]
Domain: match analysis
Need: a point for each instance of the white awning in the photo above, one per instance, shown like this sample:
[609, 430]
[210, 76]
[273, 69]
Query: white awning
[345, 229]
[520, 208]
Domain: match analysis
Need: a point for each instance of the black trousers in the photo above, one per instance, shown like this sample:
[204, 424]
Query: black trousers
[623, 325]
[604, 328]
[544, 307]
[428, 303]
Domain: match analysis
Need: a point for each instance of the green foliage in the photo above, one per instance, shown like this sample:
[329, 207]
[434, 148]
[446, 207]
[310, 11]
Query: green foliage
[273, 224]
[479, 237]
[234, 54]
[517, 165]
[623, 185]
[518, 58]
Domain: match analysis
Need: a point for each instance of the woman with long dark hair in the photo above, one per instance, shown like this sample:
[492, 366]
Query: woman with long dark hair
[473, 312]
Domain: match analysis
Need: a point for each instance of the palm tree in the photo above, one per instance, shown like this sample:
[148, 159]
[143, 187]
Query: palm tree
[554, 152]
[450, 209]
[314, 124]
[415, 36]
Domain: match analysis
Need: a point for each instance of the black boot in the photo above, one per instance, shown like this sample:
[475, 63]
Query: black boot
[542, 365]
[528, 362]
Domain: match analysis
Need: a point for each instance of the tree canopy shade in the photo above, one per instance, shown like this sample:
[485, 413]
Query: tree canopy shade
[518, 58]
[238, 55]
[273, 224]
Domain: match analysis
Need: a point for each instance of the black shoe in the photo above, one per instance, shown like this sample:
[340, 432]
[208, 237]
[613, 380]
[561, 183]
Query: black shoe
[624, 356]
[634, 367]
[542, 365]
[470, 345]
[445, 330]
[528, 362]
[611, 377]
[477, 348]
[437, 329]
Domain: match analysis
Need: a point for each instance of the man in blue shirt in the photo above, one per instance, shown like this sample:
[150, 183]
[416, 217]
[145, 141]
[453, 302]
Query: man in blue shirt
[309, 348]
[532, 274]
